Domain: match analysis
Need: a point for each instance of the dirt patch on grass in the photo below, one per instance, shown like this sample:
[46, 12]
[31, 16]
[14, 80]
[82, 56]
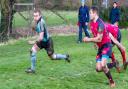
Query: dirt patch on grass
[55, 30]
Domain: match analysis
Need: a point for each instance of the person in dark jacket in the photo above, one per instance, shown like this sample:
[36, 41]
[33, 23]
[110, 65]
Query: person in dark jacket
[115, 14]
[83, 19]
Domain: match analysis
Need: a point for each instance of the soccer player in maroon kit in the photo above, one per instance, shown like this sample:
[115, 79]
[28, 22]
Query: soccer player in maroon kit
[103, 41]
[115, 35]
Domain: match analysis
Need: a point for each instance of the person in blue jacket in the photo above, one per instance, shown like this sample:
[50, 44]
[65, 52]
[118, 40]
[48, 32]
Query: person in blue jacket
[115, 14]
[83, 19]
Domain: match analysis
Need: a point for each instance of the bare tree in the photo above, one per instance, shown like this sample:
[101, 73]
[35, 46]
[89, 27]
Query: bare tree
[6, 18]
[37, 3]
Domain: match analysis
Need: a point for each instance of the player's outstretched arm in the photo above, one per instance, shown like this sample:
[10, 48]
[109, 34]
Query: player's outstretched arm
[116, 42]
[96, 39]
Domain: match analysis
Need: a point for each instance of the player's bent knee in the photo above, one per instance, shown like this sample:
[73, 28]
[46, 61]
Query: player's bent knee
[52, 56]
[98, 69]
[104, 68]
[50, 53]
[33, 51]
[32, 55]
[35, 48]
[123, 50]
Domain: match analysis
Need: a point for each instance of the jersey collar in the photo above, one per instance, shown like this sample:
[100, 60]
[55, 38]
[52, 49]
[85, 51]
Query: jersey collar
[39, 20]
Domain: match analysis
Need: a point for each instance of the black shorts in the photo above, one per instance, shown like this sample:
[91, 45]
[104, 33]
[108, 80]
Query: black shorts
[48, 46]
[118, 37]
[104, 51]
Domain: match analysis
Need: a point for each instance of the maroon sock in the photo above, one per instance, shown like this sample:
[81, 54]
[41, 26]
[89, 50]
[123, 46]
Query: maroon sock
[113, 57]
[109, 76]
[123, 56]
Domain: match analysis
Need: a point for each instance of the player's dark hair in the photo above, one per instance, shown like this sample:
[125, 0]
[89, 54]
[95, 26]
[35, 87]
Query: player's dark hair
[115, 3]
[37, 11]
[95, 9]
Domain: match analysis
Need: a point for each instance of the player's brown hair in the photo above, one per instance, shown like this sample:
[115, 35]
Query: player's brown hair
[95, 9]
[115, 3]
[37, 11]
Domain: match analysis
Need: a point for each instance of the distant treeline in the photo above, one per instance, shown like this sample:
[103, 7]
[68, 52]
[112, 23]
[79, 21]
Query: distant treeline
[75, 4]
[57, 4]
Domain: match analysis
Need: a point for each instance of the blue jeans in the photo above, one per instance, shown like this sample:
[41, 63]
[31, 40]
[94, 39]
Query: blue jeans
[83, 26]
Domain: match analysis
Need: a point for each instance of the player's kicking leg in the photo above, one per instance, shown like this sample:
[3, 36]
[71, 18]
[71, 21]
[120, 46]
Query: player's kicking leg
[114, 63]
[106, 70]
[102, 67]
[123, 53]
[54, 56]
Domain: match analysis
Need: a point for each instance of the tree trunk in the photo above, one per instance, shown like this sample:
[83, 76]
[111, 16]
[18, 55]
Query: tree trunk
[4, 4]
[37, 3]
[7, 13]
[11, 14]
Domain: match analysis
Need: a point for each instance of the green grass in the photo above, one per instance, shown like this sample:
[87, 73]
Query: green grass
[50, 18]
[79, 74]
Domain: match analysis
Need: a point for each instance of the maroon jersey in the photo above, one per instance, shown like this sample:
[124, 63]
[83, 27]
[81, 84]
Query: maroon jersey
[112, 29]
[98, 27]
